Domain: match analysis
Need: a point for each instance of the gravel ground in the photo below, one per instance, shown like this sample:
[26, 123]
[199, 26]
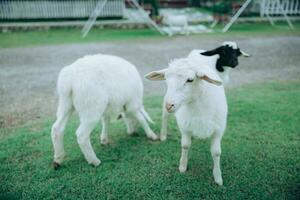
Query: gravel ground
[28, 75]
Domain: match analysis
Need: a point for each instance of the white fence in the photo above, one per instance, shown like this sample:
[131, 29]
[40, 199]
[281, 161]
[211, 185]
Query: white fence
[278, 7]
[51, 9]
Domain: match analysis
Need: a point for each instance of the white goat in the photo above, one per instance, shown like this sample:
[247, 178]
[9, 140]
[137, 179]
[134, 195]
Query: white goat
[98, 87]
[180, 21]
[195, 95]
[220, 60]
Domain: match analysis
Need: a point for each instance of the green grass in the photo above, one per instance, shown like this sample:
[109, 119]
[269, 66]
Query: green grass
[260, 157]
[264, 29]
[63, 36]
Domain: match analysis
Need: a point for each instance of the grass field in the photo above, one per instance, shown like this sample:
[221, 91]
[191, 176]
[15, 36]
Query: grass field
[63, 36]
[260, 157]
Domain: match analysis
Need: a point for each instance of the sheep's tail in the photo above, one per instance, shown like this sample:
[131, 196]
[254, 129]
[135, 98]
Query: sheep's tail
[146, 115]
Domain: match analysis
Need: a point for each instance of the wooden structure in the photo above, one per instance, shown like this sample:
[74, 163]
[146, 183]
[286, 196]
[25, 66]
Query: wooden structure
[270, 8]
[57, 9]
[280, 7]
[142, 15]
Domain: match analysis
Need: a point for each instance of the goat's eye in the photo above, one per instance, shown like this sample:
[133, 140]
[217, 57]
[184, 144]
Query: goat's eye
[189, 80]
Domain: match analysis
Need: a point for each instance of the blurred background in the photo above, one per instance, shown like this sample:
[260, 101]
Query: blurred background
[39, 14]
[39, 37]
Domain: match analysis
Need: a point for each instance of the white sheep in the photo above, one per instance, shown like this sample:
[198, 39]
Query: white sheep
[220, 59]
[98, 87]
[195, 96]
[177, 21]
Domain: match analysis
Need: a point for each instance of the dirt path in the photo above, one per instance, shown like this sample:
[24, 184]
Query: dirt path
[28, 75]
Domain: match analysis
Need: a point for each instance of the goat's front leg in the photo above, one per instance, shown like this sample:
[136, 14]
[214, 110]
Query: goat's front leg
[164, 124]
[104, 132]
[186, 141]
[130, 123]
[216, 153]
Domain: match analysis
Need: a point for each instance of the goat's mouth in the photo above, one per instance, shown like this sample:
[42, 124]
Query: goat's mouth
[170, 108]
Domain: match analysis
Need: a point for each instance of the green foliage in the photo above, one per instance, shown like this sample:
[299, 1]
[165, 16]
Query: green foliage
[222, 7]
[72, 35]
[260, 157]
[65, 36]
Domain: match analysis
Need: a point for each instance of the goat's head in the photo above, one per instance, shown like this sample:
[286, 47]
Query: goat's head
[182, 82]
[228, 55]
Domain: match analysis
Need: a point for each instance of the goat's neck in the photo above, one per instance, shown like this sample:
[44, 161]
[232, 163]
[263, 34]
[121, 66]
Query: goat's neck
[194, 98]
[219, 66]
[214, 61]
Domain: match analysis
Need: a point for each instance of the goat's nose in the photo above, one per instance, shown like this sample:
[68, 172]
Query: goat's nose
[169, 106]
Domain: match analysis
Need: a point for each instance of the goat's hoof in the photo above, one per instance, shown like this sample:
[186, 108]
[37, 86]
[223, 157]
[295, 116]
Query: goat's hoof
[132, 133]
[96, 163]
[56, 165]
[163, 137]
[219, 181]
[104, 141]
[153, 137]
[182, 169]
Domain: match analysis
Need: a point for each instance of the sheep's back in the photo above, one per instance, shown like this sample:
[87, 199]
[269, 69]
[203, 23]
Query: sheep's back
[104, 79]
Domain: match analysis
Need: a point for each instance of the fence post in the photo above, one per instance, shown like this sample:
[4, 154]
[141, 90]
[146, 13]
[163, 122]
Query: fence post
[234, 18]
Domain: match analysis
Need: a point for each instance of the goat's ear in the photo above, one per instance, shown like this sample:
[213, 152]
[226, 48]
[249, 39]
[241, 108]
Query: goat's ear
[244, 54]
[210, 80]
[209, 76]
[212, 52]
[156, 75]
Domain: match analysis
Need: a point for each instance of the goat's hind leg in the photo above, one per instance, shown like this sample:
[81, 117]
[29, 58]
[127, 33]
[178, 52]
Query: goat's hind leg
[83, 138]
[141, 119]
[64, 111]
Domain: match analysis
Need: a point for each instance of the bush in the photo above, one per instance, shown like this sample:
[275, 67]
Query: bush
[223, 7]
